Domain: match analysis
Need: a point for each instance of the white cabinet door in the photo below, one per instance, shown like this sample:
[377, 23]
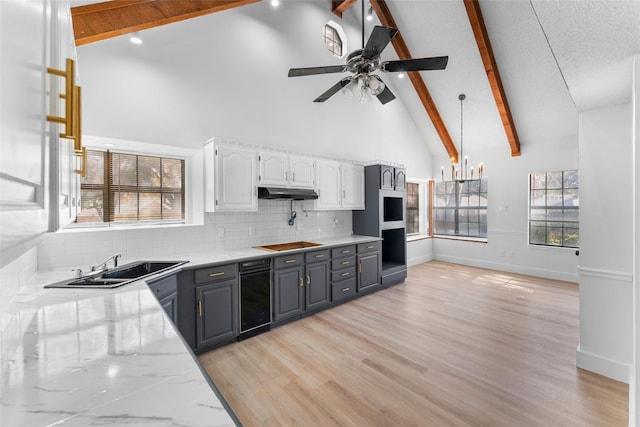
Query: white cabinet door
[352, 186]
[328, 185]
[236, 178]
[274, 169]
[65, 184]
[24, 136]
[302, 171]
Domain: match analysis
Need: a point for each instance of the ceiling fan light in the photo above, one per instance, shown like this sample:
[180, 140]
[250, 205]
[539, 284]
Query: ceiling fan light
[350, 89]
[376, 85]
[365, 96]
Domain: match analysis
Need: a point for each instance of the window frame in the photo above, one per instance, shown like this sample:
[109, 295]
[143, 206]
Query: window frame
[194, 182]
[456, 235]
[423, 209]
[564, 224]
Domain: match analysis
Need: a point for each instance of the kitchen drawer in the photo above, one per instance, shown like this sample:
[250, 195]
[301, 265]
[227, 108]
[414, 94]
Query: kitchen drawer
[338, 264]
[343, 274]
[343, 251]
[165, 286]
[317, 256]
[288, 261]
[368, 247]
[214, 274]
[343, 289]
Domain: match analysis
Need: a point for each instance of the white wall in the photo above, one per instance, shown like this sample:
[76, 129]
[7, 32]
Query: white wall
[606, 261]
[634, 396]
[507, 245]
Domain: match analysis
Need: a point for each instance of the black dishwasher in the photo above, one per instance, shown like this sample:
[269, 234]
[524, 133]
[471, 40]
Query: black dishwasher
[255, 297]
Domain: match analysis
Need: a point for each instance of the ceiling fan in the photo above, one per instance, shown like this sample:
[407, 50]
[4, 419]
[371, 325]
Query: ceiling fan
[363, 62]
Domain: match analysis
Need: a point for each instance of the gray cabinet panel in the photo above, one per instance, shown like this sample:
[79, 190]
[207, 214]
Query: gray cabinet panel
[368, 270]
[343, 289]
[170, 305]
[317, 285]
[288, 291]
[217, 316]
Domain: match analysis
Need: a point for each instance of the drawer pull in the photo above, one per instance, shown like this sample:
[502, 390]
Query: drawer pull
[320, 256]
[345, 251]
[345, 289]
[345, 274]
[370, 247]
[219, 273]
[346, 262]
[290, 261]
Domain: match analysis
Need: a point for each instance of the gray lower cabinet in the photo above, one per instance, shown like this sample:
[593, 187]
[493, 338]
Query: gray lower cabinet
[208, 306]
[317, 284]
[165, 290]
[300, 284]
[369, 266]
[217, 315]
[288, 293]
[343, 273]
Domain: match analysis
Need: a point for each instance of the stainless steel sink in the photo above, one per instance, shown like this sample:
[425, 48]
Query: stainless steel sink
[118, 276]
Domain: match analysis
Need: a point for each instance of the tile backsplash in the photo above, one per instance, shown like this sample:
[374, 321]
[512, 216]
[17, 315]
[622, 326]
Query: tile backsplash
[221, 231]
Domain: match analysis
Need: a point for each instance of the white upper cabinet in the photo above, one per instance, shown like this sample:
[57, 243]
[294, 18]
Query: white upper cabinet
[303, 171]
[328, 186]
[231, 176]
[284, 170]
[32, 38]
[352, 186]
[65, 186]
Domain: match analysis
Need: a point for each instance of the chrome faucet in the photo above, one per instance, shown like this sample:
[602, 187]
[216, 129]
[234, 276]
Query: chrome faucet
[103, 265]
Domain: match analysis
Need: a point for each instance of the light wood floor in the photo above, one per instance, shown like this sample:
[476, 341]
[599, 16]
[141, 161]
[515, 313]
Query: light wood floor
[453, 345]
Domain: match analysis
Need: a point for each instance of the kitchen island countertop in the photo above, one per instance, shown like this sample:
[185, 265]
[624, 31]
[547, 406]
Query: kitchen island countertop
[78, 357]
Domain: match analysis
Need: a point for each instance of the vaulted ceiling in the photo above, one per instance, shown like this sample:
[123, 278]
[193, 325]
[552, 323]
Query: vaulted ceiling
[525, 72]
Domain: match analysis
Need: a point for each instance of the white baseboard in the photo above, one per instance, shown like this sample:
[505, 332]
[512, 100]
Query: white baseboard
[419, 260]
[601, 365]
[512, 268]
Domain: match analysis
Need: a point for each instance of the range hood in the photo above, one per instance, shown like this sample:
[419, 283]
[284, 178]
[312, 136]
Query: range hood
[286, 193]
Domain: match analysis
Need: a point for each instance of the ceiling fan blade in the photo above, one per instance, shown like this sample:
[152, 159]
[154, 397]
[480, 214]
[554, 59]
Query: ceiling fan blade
[296, 72]
[419, 64]
[385, 96]
[378, 40]
[333, 90]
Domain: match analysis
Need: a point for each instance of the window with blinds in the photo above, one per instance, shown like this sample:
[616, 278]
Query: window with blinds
[129, 188]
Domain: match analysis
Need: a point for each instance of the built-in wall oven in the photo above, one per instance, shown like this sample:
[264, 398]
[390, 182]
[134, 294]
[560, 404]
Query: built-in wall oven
[255, 297]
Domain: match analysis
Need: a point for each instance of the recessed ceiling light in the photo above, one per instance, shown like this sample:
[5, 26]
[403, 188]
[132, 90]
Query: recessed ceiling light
[401, 75]
[108, 144]
[135, 38]
[275, 3]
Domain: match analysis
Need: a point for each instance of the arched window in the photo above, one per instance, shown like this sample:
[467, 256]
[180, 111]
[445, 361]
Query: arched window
[335, 39]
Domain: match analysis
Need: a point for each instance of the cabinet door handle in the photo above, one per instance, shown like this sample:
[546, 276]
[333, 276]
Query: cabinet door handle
[199, 308]
[359, 268]
[345, 262]
[345, 289]
[320, 256]
[290, 261]
[345, 274]
[219, 273]
[300, 281]
[308, 279]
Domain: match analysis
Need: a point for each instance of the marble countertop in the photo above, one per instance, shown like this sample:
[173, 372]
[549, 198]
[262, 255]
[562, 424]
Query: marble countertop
[78, 357]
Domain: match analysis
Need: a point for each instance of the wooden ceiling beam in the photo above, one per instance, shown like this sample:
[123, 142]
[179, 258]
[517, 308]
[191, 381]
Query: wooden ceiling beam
[339, 6]
[100, 21]
[491, 67]
[386, 19]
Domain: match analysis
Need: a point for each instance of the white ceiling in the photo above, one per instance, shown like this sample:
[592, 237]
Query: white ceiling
[556, 57]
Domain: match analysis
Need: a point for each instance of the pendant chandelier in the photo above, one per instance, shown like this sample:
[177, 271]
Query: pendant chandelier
[460, 172]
